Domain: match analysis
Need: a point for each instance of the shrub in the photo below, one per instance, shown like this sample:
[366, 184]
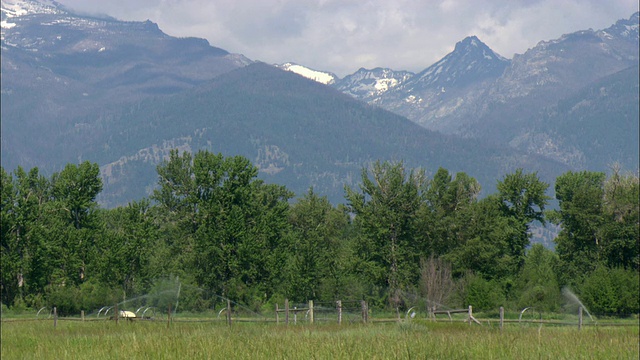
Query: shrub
[611, 291]
[93, 296]
[64, 298]
[480, 293]
[537, 284]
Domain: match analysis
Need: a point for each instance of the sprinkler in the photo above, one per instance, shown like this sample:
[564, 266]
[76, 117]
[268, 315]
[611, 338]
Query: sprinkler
[410, 314]
[40, 311]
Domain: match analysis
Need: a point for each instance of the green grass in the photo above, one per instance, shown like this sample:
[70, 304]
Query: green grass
[419, 339]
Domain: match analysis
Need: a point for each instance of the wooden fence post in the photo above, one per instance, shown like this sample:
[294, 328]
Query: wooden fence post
[117, 313]
[470, 315]
[501, 317]
[277, 315]
[82, 314]
[365, 311]
[339, 305]
[310, 311]
[286, 311]
[580, 318]
[55, 317]
[229, 312]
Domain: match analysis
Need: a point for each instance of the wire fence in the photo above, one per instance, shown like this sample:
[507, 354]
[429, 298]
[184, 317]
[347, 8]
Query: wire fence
[335, 312]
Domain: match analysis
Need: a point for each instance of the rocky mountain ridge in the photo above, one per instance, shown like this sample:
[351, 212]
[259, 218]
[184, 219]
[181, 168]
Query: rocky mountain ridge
[475, 93]
[517, 105]
[443, 87]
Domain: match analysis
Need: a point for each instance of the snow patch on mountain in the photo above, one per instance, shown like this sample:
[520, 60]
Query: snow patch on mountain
[319, 76]
[18, 8]
[368, 85]
[11, 10]
[6, 25]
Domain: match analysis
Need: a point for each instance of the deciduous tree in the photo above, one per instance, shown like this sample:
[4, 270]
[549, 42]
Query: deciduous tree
[386, 208]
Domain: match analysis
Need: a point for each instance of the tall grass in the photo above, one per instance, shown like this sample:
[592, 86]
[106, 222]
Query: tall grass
[203, 340]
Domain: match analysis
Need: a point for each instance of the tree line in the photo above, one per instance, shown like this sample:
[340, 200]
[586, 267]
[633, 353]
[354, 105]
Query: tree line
[400, 237]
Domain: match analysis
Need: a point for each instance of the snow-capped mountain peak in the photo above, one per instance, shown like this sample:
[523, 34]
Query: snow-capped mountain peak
[471, 59]
[472, 44]
[322, 77]
[11, 10]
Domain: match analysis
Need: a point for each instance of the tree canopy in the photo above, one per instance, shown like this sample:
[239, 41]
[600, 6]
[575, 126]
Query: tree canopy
[401, 235]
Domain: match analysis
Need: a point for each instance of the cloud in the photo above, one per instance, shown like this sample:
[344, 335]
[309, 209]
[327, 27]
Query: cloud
[344, 35]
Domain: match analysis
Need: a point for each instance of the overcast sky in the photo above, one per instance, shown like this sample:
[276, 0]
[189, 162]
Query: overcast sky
[343, 35]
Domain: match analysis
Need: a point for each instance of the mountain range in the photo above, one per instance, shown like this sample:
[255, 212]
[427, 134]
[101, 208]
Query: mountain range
[522, 103]
[123, 94]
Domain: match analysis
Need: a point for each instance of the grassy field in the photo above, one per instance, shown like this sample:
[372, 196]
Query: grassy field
[206, 340]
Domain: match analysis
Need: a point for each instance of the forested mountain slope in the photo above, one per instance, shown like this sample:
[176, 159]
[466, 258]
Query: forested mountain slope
[58, 65]
[298, 132]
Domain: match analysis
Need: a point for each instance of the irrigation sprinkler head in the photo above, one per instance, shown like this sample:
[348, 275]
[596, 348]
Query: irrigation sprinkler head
[43, 308]
[221, 311]
[410, 313]
[147, 309]
[100, 311]
[522, 312]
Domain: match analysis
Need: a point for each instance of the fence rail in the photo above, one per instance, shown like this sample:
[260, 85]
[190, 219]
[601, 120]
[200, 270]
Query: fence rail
[336, 312]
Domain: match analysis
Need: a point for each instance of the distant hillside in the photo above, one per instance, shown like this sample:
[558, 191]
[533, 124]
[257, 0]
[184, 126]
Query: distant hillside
[574, 99]
[522, 103]
[58, 65]
[592, 128]
[298, 132]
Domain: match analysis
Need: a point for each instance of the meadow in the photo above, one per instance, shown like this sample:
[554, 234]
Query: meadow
[419, 339]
